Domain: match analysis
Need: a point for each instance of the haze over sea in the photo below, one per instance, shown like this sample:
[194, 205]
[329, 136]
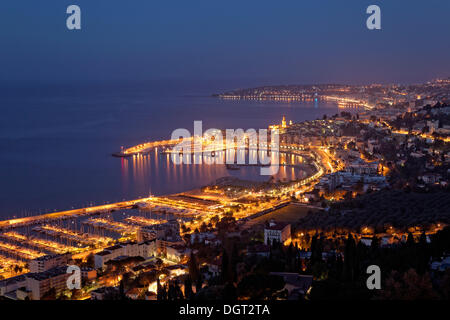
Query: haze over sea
[56, 141]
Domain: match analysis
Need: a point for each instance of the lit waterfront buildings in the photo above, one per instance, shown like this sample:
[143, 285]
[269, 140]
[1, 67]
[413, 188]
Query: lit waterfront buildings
[345, 155]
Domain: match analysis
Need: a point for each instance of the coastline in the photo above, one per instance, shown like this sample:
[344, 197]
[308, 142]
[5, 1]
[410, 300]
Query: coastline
[65, 214]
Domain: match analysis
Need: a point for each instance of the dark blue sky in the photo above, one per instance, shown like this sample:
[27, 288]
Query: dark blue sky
[231, 42]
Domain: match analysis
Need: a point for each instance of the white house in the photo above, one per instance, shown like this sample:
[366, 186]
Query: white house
[277, 231]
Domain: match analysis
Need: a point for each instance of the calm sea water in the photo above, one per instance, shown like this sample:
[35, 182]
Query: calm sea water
[56, 142]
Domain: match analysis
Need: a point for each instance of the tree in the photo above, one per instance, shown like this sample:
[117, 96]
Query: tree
[234, 261]
[174, 291]
[198, 285]
[349, 258]
[203, 227]
[407, 286]
[188, 293]
[194, 271]
[122, 290]
[375, 244]
[445, 285]
[410, 240]
[316, 249]
[374, 249]
[423, 254]
[259, 286]
[229, 292]
[161, 292]
[225, 273]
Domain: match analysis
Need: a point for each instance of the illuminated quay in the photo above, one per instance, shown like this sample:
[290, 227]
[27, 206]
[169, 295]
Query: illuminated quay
[164, 202]
[74, 232]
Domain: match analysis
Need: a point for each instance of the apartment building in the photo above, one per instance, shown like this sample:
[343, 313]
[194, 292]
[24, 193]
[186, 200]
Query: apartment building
[39, 284]
[49, 261]
[130, 249]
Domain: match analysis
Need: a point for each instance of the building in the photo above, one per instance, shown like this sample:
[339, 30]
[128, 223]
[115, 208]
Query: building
[159, 231]
[144, 249]
[100, 258]
[277, 231]
[210, 270]
[296, 285]
[361, 167]
[277, 126]
[441, 266]
[49, 261]
[431, 178]
[261, 250]
[39, 284]
[88, 274]
[10, 285]
[162, 244]
[177, 253]
[105, 293]
[146, 233]
[201, 237]
[147, 249]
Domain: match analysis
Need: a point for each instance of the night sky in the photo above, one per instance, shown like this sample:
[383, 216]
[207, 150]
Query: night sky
[233, 41]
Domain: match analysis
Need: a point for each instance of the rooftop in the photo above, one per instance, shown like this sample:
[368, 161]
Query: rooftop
[51, 273]
[276, 225]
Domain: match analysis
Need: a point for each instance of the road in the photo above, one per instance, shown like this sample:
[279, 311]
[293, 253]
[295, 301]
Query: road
[68, 213]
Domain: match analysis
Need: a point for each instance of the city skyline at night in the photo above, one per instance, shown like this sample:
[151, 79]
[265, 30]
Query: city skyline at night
[225, 159]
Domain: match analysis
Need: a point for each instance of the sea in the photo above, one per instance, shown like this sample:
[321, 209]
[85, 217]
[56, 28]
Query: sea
[57, 141]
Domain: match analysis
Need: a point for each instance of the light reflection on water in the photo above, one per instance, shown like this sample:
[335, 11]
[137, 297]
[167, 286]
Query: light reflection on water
[143, 171]
[57, 142]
